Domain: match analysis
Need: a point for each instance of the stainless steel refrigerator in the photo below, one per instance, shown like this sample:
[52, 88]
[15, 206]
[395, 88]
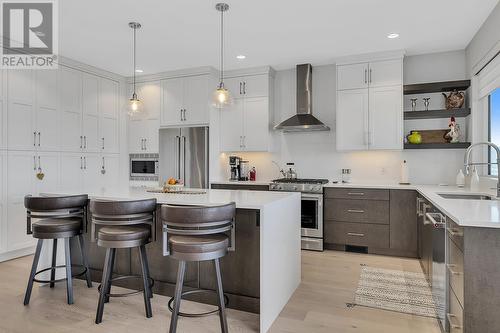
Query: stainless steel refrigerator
[184, 155]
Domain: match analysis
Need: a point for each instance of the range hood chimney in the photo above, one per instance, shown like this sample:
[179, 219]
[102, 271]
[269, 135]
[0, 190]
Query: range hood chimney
[303, 121]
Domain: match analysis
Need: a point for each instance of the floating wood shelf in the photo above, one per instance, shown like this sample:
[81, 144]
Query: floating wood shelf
[459, 145]
[434, 114]
[435, 87]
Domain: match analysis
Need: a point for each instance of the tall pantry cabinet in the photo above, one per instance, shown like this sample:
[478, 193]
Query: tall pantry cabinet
[59, 130]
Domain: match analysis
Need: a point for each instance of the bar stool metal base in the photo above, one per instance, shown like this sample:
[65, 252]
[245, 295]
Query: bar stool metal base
[61, 279]
[201, 314]
[132, 293]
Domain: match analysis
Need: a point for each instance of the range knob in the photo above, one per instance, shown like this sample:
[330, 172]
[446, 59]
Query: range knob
[279, 187]
[295, 187]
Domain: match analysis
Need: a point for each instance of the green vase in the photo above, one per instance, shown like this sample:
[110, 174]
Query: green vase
[415, 138]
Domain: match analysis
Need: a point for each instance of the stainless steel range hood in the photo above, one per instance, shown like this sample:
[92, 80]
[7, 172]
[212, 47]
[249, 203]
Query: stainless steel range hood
[303, 121]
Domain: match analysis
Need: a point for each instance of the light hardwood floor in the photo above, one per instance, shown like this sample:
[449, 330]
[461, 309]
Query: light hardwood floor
[329, 280]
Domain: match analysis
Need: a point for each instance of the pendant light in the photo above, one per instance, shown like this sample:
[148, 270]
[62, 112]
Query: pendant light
[222, 96]
[135, 104]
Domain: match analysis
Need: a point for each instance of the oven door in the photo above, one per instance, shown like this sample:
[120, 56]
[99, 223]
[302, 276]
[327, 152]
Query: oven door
[312, 215]
[143, 167]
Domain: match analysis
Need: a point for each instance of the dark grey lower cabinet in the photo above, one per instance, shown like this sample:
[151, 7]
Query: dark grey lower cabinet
[381, 221]
[403, 222]
[240, 269]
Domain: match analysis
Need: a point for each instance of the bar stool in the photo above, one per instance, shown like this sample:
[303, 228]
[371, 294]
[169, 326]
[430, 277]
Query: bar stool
[197, 234]
[123, 225]
[54, 218]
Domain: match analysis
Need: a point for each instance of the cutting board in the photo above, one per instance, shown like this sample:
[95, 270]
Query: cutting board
[434, 136]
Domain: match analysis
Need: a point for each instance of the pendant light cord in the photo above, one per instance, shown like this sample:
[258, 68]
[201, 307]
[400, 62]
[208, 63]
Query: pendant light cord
[222, 49]
[135, 29]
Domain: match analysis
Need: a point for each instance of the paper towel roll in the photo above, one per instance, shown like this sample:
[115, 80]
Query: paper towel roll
[404, 173]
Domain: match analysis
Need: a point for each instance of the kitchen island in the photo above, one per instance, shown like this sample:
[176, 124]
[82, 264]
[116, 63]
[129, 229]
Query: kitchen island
[259, 276]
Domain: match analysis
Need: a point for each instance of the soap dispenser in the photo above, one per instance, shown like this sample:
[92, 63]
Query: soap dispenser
[460, 178]
[474, 181]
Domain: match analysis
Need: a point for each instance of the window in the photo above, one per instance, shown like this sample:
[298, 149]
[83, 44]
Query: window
[494, 127]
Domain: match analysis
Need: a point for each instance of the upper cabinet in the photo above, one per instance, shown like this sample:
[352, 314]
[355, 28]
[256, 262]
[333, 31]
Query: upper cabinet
[109, 90]
[245, 124]
[3, 114]
[185, 101]
[248, 86]
[369, 105]
[143, 129]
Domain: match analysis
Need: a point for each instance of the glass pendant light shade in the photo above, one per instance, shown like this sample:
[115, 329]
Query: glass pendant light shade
[134, 105]
[222, 97]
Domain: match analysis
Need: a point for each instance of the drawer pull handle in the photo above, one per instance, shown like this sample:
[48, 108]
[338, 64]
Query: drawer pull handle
[355, 234]
[450, 269]
[455, 232]
[355, 193]
[355, 211]
[451, 318]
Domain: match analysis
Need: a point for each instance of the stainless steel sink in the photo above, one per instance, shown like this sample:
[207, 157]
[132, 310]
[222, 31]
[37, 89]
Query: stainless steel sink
[466, 196]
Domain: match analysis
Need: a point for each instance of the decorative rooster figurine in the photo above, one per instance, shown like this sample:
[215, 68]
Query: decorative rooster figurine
[454, 133]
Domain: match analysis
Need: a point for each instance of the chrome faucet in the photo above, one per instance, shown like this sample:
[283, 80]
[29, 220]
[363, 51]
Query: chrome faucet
[467, 162]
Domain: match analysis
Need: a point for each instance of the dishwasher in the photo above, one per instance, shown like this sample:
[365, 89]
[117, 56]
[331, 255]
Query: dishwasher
[439, 281]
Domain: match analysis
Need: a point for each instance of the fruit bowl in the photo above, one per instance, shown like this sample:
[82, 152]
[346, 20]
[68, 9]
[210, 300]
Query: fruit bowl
[167, 188]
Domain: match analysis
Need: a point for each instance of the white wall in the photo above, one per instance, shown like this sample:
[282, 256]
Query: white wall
[314, 153]
[485, 42]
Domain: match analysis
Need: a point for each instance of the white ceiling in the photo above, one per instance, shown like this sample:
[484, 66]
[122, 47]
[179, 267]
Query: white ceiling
[180, 34]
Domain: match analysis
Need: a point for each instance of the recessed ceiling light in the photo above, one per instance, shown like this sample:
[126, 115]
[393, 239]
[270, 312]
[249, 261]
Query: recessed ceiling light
[139, 71]
[393, 35]
[241, 57]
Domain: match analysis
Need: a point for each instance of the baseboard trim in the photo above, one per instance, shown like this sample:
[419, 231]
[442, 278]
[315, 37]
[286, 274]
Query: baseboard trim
[17, 253]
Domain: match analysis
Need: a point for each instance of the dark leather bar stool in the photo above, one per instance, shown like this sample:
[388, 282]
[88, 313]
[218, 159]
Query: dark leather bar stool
[54, 218]
[123, 225]
[197, 234]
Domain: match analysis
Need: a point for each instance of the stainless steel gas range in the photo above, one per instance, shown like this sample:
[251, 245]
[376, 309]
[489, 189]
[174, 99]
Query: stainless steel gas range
[311, 208]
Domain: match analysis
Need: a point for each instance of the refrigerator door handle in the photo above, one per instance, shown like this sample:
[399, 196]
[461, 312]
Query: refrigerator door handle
[184, 159]
[177, 149]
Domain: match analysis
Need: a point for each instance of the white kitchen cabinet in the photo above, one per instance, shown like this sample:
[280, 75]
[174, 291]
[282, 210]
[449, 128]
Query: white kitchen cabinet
[108, 121]
[256, 124]
[71, 172]
[47, 121]
[90, 113]
[109, 135]
[3, 220]
[248, 86]
[369, 105]
[386, 73]
[91, 173]
[172, 102]
[196, 100]
[245, 125]
[143, 128]
[21, 110]
[231, 126]
[386, 118]
[352, 76]
[352, 119]
[21, 168]
[71, 110]
[110, 163]
[185, 101]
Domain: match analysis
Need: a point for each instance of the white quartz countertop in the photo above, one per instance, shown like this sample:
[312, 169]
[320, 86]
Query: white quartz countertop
[465, 212]
[203, 197]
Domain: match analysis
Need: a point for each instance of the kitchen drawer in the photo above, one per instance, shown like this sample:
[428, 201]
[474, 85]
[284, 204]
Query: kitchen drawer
[456, 233]
[456, 315]
[357, 193]
[366, 211]
[456, 270]
[360, 234]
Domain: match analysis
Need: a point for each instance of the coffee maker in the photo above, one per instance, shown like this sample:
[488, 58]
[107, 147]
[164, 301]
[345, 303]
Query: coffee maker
[234, 166]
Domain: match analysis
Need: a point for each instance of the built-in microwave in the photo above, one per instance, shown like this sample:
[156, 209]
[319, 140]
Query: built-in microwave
[144, 166]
